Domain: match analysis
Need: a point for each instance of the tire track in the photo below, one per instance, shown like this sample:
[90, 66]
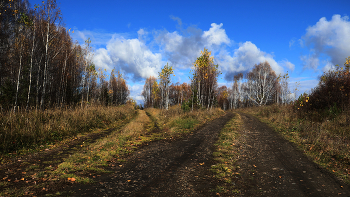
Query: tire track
[278, 169]
[163, 168]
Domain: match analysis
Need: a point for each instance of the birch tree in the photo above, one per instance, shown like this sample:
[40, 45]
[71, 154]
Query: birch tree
[165, 80]
[52, 15]
[204, 79]
[261, 84]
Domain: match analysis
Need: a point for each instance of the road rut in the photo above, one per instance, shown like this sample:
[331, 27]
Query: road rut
[277, 168]
[162, 168]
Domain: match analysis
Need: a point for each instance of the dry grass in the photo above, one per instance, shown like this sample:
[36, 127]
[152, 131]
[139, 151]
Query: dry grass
[138, 126]
[226, 156]
[26, 130]
[327, 142]
[175, 120]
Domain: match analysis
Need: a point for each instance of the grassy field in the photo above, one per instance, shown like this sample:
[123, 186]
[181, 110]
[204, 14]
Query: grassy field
[327, 143]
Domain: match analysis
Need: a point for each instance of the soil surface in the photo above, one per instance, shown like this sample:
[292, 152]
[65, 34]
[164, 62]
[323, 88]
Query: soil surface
[274, 166]
[269, 166]
[162, 168]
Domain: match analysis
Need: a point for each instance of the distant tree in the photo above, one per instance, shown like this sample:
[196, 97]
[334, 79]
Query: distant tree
[261, 84]
[165, 80]
[204, 79]
[222, 97]
[147, 92]
[283, 91]
[237, 92]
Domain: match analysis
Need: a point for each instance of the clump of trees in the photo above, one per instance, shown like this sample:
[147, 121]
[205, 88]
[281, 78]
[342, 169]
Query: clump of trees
[41, 66]
[162, 94]
[260, 86]
[330, 97]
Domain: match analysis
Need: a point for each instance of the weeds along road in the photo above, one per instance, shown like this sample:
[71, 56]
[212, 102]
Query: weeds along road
[274, 167]
[163, 168]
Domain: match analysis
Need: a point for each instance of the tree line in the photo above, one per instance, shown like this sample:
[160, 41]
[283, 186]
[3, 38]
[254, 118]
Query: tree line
[41, 66]
[260, 86]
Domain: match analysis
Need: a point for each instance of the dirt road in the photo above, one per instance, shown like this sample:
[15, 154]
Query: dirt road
[268, 166]
[276, 168]
[162, 168]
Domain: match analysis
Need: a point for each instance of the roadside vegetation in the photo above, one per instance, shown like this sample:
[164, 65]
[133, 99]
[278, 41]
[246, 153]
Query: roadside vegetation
[226, 155]
[27, 130]
[326, 142]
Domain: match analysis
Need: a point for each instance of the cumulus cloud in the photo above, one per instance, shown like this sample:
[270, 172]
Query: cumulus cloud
[183, 49]
[216, 35]
[243, 60]
[130, 55]
[102, 59]
[330, 38]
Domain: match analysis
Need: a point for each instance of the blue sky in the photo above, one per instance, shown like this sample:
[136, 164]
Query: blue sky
[304, 38]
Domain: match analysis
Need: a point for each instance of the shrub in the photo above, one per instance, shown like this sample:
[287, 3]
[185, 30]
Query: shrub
[186, 106]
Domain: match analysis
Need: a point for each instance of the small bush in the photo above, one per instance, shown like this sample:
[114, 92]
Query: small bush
[186, 106]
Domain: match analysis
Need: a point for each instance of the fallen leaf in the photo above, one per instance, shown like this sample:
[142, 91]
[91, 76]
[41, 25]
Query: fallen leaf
[23, 172]
[129, 180]
[22, 179]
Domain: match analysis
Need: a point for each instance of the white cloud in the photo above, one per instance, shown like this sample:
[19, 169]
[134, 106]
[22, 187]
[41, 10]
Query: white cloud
[287, 64]
[130, 55]
[291, 43]
[135, 91]
[183, 49]
[179, 22]
[301, 42]
[141, 34]
[330, 38]
[102, 59]
[216, 35]
[328, 66]
[133, 56]
[310, 61]
[244, 58]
